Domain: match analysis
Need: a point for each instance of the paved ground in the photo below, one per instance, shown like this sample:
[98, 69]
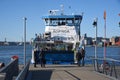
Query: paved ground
[64, 72]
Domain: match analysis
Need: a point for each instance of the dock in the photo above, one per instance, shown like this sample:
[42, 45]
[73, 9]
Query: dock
[14, 71]
[65, 72]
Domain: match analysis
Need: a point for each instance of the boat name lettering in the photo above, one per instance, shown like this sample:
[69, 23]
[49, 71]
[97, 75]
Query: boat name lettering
[58, 31]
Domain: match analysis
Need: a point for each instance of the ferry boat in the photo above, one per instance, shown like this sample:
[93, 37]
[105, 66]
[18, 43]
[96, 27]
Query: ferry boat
[62, 32]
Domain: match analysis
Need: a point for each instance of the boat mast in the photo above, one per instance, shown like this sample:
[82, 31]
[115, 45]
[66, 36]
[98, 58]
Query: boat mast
[62, 9]
[79, 27]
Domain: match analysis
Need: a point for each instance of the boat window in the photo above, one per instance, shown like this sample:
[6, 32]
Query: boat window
[77, 21]
[48, 33]
[46, 22]
[51, 22]
[70, 38]
[61, 22]
[54, 22]
[70, 22]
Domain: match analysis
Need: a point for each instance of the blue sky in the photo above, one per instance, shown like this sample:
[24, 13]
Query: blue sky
[13, 11]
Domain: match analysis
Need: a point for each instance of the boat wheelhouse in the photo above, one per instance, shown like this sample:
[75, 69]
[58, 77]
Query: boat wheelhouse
[61, 31]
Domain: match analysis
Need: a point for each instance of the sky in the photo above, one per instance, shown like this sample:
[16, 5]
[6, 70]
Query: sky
[13, 11]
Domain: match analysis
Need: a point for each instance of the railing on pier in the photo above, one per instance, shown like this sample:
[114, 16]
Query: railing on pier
[10, 70]
[23, 74]
[108, 66]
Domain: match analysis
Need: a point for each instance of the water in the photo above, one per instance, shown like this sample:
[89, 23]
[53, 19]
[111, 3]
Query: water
[6, 52]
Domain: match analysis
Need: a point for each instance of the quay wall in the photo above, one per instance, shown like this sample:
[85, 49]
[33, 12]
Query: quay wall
[23, 74]
[10, 70]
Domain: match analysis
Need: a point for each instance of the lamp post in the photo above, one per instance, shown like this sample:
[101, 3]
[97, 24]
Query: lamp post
[25, 40]
[119, 24]
[95, 25]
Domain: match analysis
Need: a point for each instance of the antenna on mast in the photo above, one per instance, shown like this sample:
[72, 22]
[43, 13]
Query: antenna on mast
[62, 9]
[53, 12]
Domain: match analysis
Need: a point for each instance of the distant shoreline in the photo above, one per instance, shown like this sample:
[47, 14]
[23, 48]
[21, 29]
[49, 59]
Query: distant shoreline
[101, 46]
[13, 43]
[85, 45]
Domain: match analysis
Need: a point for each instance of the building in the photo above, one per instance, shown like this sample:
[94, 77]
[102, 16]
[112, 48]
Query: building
[115, 40]
[88, 41]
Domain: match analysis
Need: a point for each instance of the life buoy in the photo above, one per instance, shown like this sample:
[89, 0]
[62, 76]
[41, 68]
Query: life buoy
[15, 57]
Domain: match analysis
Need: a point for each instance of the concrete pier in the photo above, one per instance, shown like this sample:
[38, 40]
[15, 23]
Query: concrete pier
[64, 72]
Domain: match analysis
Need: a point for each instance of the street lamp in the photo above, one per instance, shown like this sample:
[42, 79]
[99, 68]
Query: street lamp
[119, 24]
[95, 25]
[25, 40]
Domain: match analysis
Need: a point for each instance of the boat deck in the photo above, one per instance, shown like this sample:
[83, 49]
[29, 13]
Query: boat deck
[65, 72]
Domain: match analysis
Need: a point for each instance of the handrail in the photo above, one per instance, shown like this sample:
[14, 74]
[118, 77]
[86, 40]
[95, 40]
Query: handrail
[22, 75]
[108, 59]
[108, 67]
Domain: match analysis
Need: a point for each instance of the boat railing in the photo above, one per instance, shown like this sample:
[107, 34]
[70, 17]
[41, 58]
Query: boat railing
[107, 66]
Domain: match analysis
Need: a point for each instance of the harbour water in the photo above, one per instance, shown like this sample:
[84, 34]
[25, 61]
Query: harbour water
[6, 52]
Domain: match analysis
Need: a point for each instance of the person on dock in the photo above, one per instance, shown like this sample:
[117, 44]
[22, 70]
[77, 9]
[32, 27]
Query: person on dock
[2, 65]
[42, 58]
[36, 57]
[78, 57]
[82, 51]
